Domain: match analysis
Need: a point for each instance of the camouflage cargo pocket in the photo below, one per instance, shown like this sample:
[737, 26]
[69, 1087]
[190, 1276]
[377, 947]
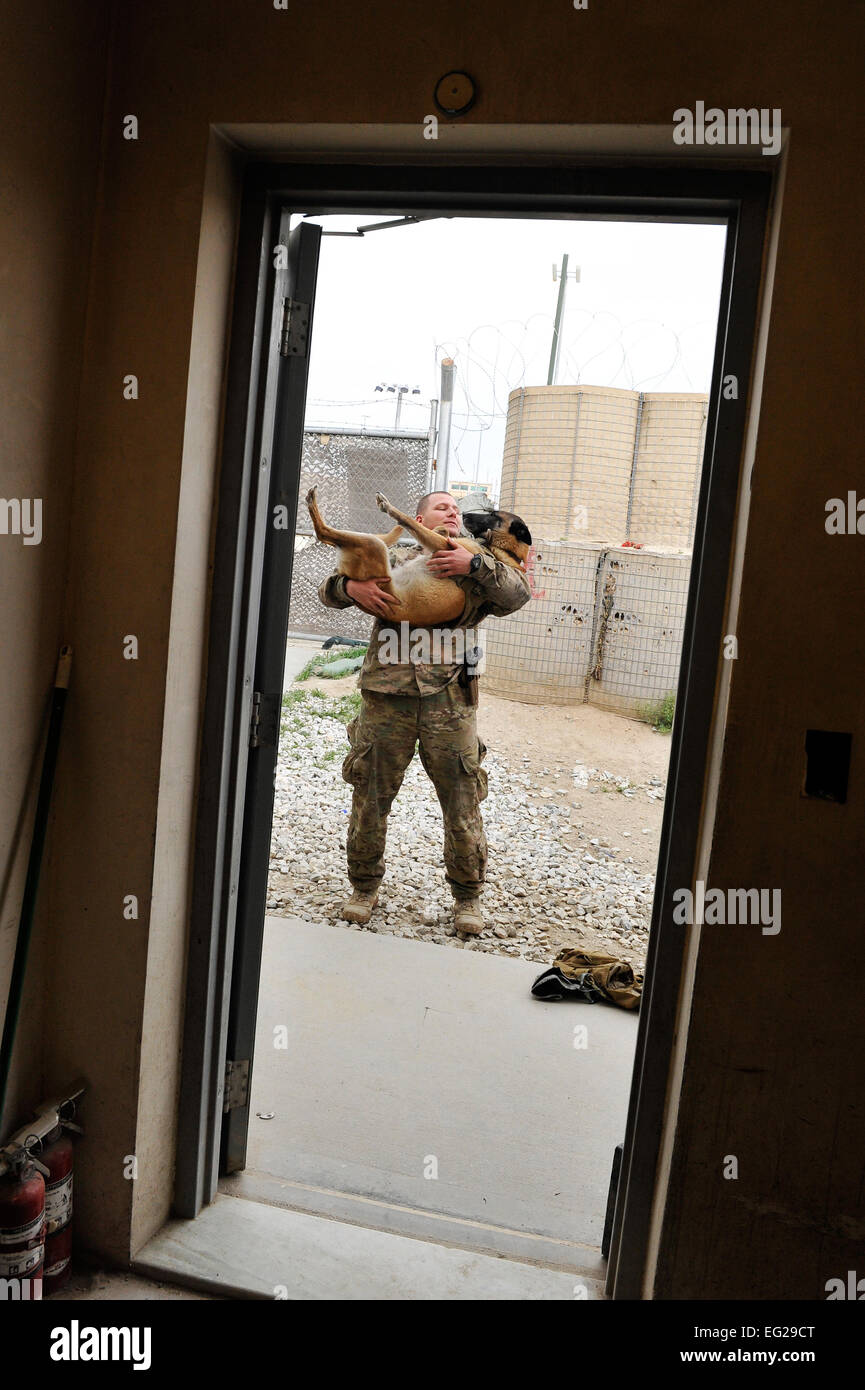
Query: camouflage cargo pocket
[471, 763]
[356, 762]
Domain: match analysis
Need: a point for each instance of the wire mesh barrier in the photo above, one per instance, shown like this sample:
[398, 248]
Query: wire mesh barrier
[604, 627]
[349, 469]
[607, 481]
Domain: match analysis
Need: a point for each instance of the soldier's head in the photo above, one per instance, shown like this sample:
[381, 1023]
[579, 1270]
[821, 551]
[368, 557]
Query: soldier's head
[439, 509]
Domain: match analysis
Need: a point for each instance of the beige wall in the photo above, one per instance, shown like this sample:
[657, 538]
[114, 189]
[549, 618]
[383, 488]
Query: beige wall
[49, 161]
[772, 1047]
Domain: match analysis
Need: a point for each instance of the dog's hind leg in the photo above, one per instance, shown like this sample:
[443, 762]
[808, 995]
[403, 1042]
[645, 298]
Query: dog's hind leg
[326, 534]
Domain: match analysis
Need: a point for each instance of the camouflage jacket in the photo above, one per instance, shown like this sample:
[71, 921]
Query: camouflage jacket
[494, 591]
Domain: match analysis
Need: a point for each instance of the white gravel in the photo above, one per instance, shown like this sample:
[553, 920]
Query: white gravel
[545, 880]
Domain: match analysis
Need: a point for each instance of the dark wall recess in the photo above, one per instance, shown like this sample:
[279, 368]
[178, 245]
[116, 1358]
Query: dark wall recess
[827, 764]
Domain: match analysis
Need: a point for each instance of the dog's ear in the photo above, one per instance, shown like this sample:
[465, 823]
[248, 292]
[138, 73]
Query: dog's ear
[491, 521]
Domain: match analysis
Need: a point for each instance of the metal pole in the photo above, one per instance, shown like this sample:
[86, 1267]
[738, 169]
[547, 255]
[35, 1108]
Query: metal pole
[554, 349]
[431, 447]
[447, 401]
[31, 886]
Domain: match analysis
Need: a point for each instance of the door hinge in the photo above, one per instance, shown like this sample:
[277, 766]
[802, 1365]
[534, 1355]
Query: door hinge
[295, 328]
[236, 1085]
[255, 719]
[264, 721]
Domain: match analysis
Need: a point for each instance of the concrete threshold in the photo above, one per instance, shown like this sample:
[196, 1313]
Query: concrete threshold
[478, 1236]
[249, 1249]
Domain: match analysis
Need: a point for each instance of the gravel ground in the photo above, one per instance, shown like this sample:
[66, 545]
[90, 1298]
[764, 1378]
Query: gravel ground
[554, 877]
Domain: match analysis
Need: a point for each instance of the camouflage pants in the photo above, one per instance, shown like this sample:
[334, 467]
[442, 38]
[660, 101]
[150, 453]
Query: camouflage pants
[382, 742]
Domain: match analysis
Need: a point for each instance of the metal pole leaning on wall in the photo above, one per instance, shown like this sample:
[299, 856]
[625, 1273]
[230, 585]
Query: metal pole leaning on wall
[596, 620]
[569, 515]
[634, 467]
[31, 886]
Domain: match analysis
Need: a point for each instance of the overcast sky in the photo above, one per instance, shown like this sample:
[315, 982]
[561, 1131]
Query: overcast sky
[390, 305]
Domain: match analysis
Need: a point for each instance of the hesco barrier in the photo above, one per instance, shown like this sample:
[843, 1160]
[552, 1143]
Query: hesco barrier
[591, 467]
[604, 626]
[602, 464]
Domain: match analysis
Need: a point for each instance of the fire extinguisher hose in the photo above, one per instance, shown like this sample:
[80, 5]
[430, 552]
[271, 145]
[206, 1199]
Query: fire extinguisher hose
[31, 886]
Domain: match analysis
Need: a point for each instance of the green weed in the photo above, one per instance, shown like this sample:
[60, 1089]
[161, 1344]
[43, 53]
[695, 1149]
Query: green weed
[660, 713]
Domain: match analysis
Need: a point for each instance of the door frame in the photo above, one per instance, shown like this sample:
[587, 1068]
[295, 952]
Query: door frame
[648, 190]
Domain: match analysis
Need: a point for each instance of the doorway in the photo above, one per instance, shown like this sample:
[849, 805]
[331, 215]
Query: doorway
[275, 294]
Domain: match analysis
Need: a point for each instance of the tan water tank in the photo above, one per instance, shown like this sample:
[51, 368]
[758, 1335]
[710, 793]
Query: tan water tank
[567, 460]
[597, 463]
[667, 468]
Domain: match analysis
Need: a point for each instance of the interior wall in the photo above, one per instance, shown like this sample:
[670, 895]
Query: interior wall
[49, 161]
[162, 1031]
[772, 1051]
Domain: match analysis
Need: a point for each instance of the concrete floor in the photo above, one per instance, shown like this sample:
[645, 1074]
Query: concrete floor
[111, 1285]
[404, 1058]
[383, 1060]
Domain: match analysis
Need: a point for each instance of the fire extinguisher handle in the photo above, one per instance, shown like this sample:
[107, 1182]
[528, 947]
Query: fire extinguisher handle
[24, 1154]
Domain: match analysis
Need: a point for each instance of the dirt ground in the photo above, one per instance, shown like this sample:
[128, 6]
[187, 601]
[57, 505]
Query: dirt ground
[554, 738]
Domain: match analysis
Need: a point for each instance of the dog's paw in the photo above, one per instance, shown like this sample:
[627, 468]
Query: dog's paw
[310, 496]
[382, 501]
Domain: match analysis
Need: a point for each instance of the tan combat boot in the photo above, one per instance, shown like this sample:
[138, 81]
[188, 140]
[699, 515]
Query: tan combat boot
[467, 916]
[359, 906]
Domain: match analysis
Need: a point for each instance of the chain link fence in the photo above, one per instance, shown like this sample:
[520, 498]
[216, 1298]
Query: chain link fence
[349, 469]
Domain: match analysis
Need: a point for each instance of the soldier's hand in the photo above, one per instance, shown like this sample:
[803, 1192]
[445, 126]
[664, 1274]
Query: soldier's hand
[370, 596]
[453, 560]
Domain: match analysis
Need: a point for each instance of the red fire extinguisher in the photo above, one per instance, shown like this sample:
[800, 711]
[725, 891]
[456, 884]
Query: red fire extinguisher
[57, 1158]
[22, 1223]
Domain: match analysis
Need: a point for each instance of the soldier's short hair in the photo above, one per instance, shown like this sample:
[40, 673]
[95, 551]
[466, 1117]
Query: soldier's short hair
[440, 492]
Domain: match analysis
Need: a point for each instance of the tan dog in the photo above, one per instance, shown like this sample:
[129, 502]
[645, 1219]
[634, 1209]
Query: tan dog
[423, 599]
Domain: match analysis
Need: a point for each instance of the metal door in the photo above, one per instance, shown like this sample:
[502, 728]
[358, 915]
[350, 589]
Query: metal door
[279, 474]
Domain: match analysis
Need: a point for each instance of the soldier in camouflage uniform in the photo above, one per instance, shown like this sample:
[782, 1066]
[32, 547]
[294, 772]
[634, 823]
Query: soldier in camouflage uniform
[425, 703]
